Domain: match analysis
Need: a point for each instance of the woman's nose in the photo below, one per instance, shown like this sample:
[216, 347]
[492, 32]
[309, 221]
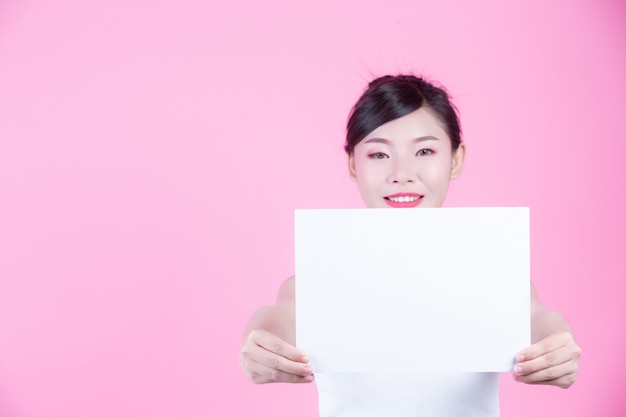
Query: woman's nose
[403, 172]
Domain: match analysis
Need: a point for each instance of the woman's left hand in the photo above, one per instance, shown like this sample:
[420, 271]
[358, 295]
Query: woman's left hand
[551, 361]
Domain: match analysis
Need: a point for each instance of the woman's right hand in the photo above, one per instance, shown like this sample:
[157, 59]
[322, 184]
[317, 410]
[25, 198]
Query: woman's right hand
[265, 358]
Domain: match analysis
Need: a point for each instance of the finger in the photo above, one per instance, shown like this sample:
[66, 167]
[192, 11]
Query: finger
[561, 376]
[262, 375]
[260, 367]
[256, 359]
[546, 361]
[550, 343]
[278, 346]
[273, 361]
[565, 381]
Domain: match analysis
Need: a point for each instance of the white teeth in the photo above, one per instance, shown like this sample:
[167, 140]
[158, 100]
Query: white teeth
[403, 199]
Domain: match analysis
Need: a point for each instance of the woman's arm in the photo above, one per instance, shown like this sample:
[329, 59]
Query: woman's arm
[553, 357]
[544, 322]
[268, 353]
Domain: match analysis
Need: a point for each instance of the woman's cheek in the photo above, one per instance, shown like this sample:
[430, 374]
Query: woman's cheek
[438, 167]
[372, 169]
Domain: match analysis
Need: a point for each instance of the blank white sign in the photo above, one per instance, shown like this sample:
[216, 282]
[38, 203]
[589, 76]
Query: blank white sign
[388, 290]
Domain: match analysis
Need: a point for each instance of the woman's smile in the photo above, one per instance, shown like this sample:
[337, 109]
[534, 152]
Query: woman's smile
[404, 200]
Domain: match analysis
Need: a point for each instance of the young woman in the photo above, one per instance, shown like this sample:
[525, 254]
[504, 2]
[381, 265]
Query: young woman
[404, 146]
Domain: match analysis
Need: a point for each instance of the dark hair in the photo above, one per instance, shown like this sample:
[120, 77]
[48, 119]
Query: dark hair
[393, 96]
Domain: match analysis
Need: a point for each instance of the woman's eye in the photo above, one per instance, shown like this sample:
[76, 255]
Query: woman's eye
[378, 155]
[424, 152]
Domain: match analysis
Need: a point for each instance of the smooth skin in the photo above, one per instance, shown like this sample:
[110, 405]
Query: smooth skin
[412, 154]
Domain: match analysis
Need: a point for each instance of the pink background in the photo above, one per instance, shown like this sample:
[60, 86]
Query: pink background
[152, 154]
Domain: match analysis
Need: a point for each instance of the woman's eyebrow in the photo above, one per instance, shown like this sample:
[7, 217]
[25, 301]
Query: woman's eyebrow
[386, 141]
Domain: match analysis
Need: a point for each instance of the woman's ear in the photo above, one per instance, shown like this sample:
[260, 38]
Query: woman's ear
[351, 168]
[458, 161]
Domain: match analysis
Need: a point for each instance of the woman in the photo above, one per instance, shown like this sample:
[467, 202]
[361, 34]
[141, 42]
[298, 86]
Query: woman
[404, 146]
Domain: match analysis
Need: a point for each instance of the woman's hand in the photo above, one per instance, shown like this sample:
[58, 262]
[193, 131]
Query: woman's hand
[551, 361]
[267, 358]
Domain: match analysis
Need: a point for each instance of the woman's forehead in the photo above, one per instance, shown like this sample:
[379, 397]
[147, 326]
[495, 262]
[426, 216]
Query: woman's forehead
[417, 126]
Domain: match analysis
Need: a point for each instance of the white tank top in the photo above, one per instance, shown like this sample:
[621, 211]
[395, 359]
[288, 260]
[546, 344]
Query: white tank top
[409, 395]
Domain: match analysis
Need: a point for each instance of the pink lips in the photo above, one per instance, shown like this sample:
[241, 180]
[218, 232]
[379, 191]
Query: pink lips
[404, 200]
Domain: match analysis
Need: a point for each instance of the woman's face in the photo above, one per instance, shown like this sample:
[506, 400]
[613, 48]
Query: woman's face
[407, 162]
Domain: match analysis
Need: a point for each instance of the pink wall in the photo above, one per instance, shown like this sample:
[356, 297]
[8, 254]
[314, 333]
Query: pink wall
[152, 154]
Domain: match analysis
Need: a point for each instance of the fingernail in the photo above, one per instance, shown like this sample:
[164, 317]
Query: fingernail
[305, 358]
[309, 378]
[308, 370]
[520, 358]
[517, 370]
